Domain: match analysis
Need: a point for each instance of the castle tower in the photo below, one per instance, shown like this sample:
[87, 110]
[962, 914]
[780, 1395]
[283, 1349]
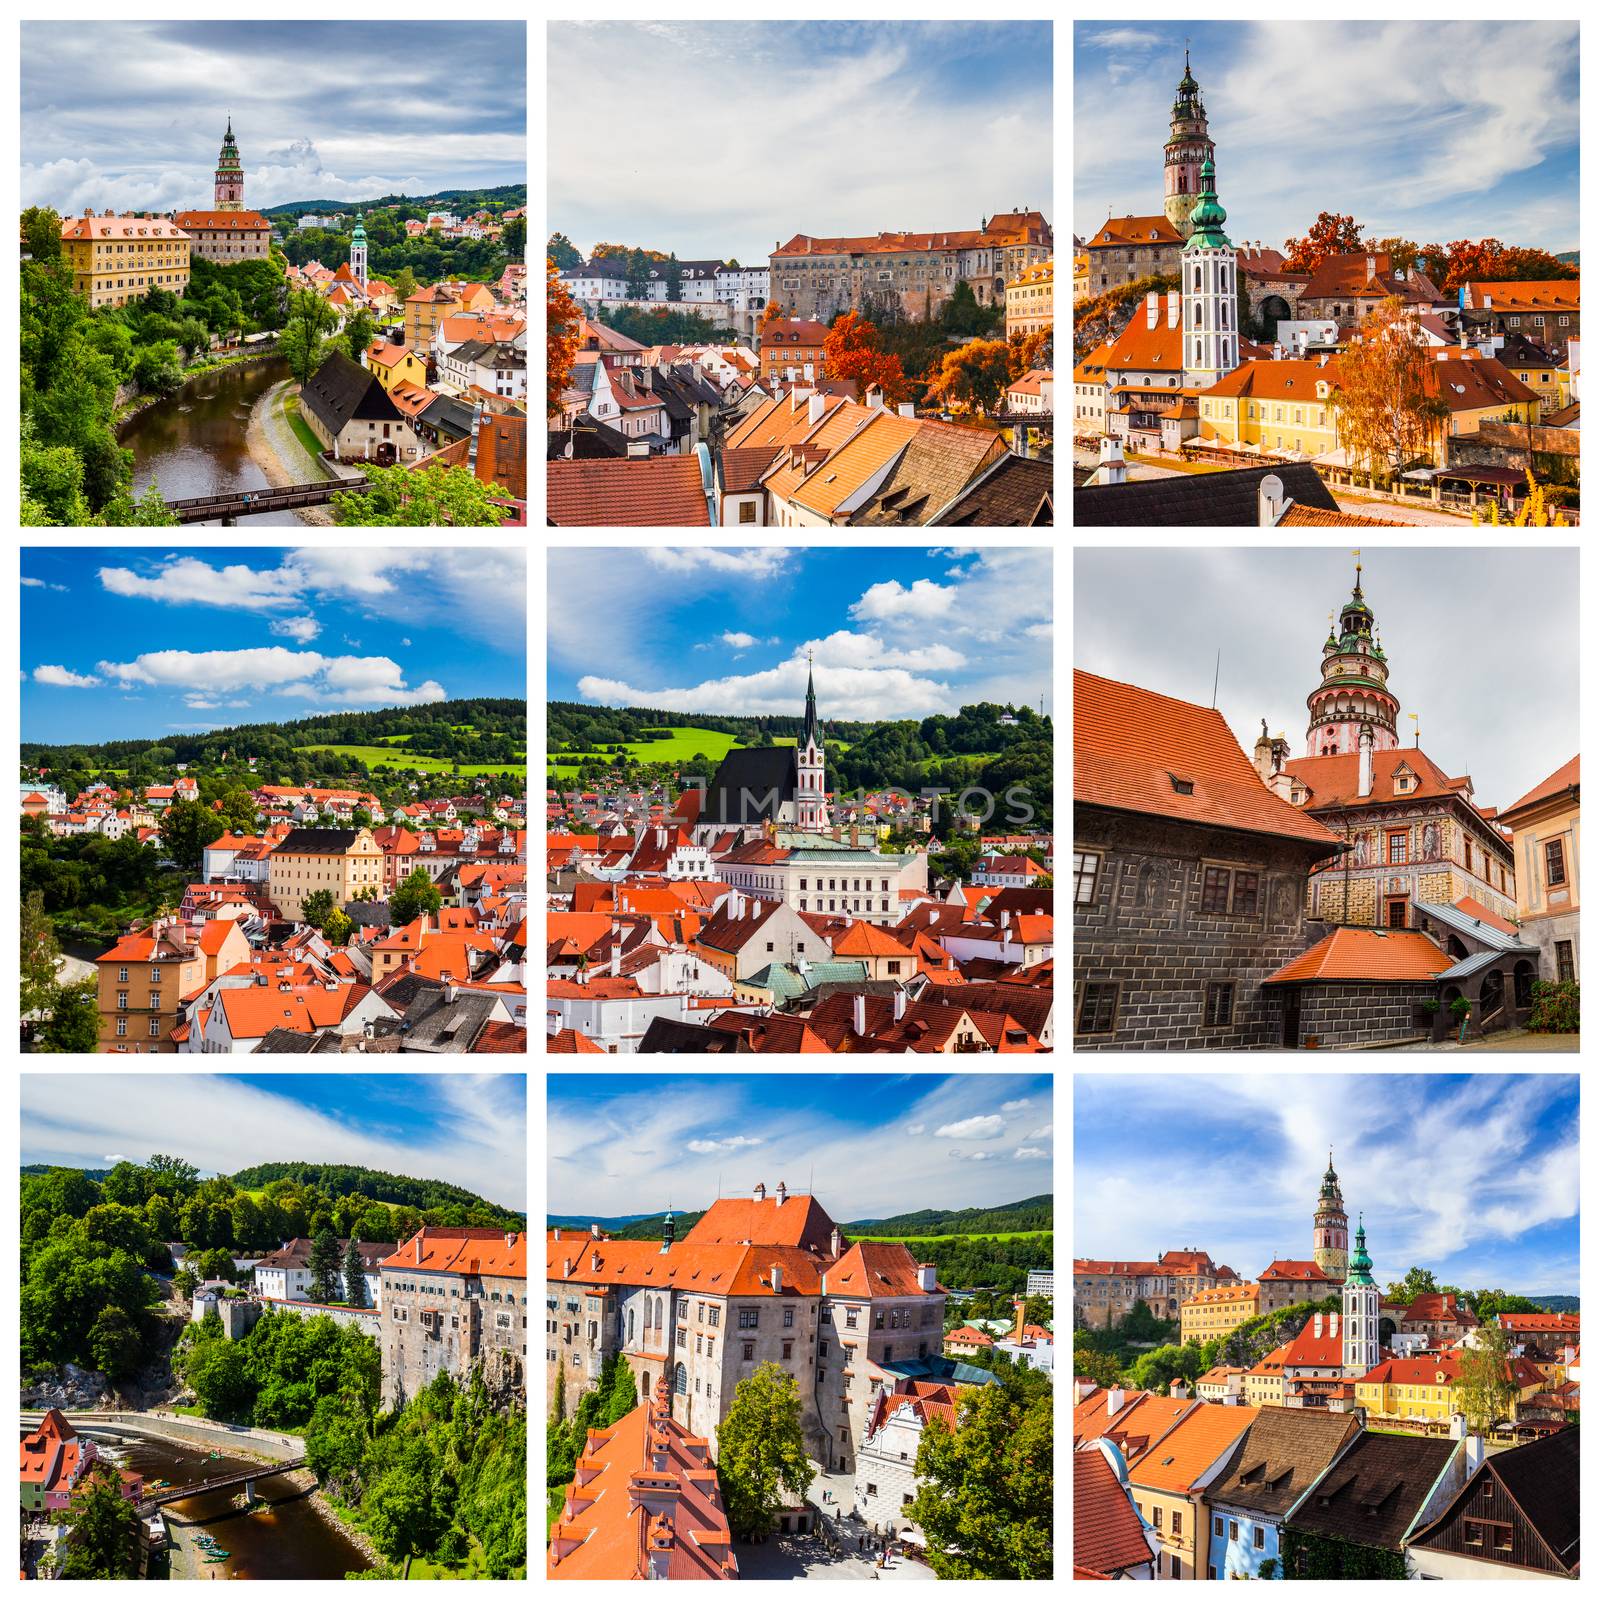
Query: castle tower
[1354, 692]
[1210, 290]
[230, 175]
[358, 252]
[1359, 1312]
[1330, 1228]
[811, 802]
[1189, 148]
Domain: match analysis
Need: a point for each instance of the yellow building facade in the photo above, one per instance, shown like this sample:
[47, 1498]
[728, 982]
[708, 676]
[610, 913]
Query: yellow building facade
[117, 259]
[340, 860]
[425, 310]
[1214, 1312]
[1418, 1388]
[1278, 407]
[1544, 826]
[1030, 299]
[390, 363]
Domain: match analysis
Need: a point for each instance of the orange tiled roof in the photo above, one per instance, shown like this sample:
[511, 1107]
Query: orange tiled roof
[1563, 778]
[876, 443]
[1289, 379]
[871, 1268]
[640, 492]
[253, 221]
[1135, 230]
[1295, 1272]
[1199, 1441]
[1299, 516]
[1367, 955]
[1107, 1533]
[1132, 748]
[1335, 780]
[1542, 294]
[120, 228]
[799, 1221]
[469, 1252]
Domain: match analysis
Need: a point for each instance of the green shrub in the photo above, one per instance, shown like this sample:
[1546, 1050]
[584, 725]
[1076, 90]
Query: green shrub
[1459, 1007]
[1555, 1007]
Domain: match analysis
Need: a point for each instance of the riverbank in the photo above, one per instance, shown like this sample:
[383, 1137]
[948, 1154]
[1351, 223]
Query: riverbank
[342, 1519]
[126, 414]
[273, 446]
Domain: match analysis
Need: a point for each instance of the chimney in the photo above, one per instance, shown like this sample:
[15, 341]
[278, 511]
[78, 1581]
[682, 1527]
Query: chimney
[1364, 787]
[858, 1015]
[1152, 308]
[781, 1194]
[1333, 1325]
[555, 1233]
[616, 961]
[1277, 350]
[594, 1260]
[1020, 1307]
[416, 1248]
[761, 1191]
[1316, 1326]
[814, 409]
[1372, 265]
[1113, 469]
[874, 398]
[835, 1244]
[1174, 308]
[927, 1277]
[899, 1004]
[1269, 501]
[1114, 1398]
[777, 1279]
[906, 409]
[511, 1241]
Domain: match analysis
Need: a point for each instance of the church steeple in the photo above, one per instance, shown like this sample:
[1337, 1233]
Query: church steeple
[358, 252]
[1210, 270]
[1187, 150]
[1354, 693]
[1330, 1228]
[229, 189]
[1359, 1302]
[811, 801]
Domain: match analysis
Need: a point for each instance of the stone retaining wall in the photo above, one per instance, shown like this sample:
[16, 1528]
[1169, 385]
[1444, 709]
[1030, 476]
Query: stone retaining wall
[186, 1430]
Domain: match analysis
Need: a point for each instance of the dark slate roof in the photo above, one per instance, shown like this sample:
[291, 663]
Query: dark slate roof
[1542, 1479]
[1197, 500]
[368, 913]
[341, 392]
[288, 1042]
[449, 415]
[446, 1027]
[666, 1036]
[1016, 492]
[1373, 1492]
[587, 440]
[1277, 1458]
[318, 841]
[750, 785]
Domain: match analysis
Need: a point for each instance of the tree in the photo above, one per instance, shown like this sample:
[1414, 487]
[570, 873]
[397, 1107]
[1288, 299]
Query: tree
[303, 342]
[1418, 1280]
[417, 896]
[973, 377]
[961, 314]
[404, 284]
[338, 928]
[1332, 234]
[851, 349]
[761, 1451]
[562, 318]
[73, 1027]
[187, 827]
[1388, 411]
[115, 1343]
[984, 1501]
[421, 497]
[317, 907]
[1534, 512]
[1484, 1391]
[184, 1283]
[104, 1526]
[674, 277]
[1098, 1367]
[1028, 351]
[323, 1267]
[358, 333]
[355, 1276]
[514, 238]
[216, 1368]
[40, 956]
[563, 252]
[773, 311]
[156, 369]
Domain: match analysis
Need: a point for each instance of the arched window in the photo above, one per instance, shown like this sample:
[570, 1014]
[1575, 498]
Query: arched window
[630, 1324]
[680, 1379]
[1197, 277]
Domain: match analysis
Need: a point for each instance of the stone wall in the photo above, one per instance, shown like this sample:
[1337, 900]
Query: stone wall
[366, 1322]
[1340, 1016]
[1499, 444]
[1145, 930]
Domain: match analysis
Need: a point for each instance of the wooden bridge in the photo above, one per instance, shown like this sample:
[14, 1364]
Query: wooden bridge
[253, 502]
[231, 1480]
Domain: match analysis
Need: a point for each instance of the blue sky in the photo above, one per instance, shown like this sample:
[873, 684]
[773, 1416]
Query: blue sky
[1474, 1176]
[896, 632]
[1267, 610]
[138, 643]
[1427, 130]
[458, 1128]
[866, 1144]
[131, 114]
[827, 128]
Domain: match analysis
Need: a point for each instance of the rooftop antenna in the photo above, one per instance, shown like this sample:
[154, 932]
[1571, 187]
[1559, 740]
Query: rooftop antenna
[1216, 678]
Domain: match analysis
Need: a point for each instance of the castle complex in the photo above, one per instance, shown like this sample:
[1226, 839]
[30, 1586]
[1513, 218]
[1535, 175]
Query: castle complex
[227, 232]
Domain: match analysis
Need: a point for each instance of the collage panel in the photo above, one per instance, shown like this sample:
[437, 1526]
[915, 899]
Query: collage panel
[273, 801]
[714, 362]
[768, 1390]
[263, 285]
[1398, 1401]
[279, 1331]
[799, 800]
[1375, 849]
[1409, 356]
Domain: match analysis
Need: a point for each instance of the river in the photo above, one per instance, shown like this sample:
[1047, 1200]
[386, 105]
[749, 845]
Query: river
[194, 441]
[289, 1540]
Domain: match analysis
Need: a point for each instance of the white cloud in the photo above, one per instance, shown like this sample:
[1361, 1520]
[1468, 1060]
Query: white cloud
[761, 564]
[39, 583]
[302, 629]
[1029, 1152]
[1015, 1105]
[61, 678]
[983, 1127]
[924, 600]
[916, 1128]
[329, 680]
[705, 1147]
[740, 641]
[1044, 1132]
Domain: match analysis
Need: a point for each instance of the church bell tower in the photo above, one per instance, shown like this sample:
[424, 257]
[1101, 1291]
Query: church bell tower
[1354, 693]
[811, 797]
[1359, 1312]
[230, 175]
[1189, 148]
[1210, 270]
[358, 253]
[1330, 1228]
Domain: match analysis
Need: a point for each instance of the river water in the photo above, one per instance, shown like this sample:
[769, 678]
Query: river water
[194, 441]
[289, 1540]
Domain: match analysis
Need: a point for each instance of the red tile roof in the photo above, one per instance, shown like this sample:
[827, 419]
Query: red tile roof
[639, 492]
[1544, 294]
[1367, 955]
[468, 1252]
[1135, 230]
[1131, 748]
[1107, 1533]
[1335, 780]
[1562, 779]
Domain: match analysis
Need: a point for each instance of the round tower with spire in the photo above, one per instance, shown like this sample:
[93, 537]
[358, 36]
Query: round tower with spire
[1354, 693]
[229, 189]
[1359, 1312]
[1187, 151]
[811, 797]
[1330, 1228]
[1210, 290]
[358, 251]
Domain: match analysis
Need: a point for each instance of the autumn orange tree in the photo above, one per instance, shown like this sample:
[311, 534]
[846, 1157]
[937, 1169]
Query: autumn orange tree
[773, 313]
[562, 317]
[972, 377]
[1332, 234]
[1025, 351]
[1489, 260]
[1387, 413]
[852, 349]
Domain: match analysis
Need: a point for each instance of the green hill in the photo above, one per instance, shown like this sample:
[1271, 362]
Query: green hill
[388, 1187]
[509, 194]
[1034, 1215]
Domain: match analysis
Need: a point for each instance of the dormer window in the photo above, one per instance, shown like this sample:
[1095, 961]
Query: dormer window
[1181, 785]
